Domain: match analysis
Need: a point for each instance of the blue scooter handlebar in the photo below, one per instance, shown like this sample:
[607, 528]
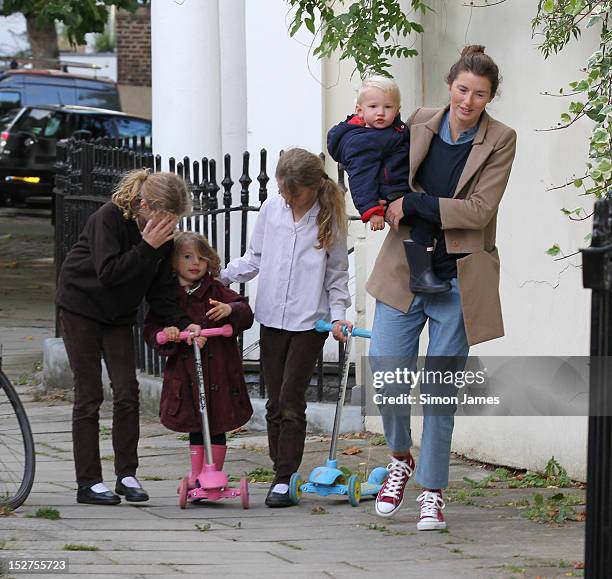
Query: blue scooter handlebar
[323, 326]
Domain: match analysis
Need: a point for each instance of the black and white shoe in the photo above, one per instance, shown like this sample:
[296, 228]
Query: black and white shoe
[277, 499]
[130, 487]
[97, 494]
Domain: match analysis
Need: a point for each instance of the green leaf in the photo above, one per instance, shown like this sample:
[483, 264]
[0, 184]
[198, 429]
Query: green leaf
[554, 250]
[565, 118]
[605, 165]
[548, 6]
[576, 107]
[578, 183]
[310, 24]
[600, 136]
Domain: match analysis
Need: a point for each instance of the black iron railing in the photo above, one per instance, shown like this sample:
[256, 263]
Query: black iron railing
[597, 276]
[86, 174]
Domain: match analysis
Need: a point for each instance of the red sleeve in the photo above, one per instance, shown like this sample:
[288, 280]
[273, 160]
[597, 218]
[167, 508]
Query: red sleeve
[378, 210]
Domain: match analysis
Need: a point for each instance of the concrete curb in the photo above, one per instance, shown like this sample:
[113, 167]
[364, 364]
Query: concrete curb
[320, 416]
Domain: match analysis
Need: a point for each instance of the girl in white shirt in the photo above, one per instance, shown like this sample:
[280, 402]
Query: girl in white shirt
[298, 248]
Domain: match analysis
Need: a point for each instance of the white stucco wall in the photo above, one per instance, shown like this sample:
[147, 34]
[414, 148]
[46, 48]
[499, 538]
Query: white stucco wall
[285, 93]
[546, 311]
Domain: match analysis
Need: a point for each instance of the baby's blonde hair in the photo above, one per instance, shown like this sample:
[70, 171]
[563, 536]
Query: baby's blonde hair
[384, 83]
[162, 191]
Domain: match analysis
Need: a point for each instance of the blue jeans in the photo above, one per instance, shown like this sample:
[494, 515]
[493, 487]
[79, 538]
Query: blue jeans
[396, 334]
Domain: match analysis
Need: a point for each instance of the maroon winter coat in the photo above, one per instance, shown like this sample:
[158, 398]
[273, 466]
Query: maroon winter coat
[229, 406]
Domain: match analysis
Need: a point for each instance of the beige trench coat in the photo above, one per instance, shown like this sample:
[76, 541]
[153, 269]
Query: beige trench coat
[468, 220]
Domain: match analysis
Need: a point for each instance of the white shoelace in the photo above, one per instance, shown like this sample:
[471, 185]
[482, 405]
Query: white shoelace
[399, 473]
[430, 503]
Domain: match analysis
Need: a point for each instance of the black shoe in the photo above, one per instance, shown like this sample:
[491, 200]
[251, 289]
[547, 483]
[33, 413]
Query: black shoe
[275, 500]
[87, 496]
[132, 494]
[422, 278]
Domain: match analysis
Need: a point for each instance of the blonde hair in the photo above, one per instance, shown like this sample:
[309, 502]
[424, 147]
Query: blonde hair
[384, 83]
[162, 191]
[202, 247]
[300, 168]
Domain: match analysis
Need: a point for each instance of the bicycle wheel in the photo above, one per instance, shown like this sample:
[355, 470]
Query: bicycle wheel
[17, 458]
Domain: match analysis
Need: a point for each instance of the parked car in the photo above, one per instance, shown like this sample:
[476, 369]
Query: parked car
[27, 87]
[28, 144]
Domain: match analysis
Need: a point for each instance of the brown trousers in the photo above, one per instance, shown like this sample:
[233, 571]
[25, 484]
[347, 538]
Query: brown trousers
[86, 341]
[288, 360]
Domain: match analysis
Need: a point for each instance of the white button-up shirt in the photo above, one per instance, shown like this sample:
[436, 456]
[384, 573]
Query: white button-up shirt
[298, 284]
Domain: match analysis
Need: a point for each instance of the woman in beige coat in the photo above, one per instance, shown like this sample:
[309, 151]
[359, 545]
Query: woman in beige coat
[460, 162]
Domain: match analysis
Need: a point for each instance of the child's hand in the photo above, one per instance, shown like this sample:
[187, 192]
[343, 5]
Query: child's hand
[195, 331]
[337, 328]
[172, 333]
[200, 341]
[377, 222]
[158, 231]
[218, 311]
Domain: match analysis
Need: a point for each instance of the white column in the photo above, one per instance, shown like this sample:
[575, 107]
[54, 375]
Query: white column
[186, 79]
[233, 85]
[234, 103]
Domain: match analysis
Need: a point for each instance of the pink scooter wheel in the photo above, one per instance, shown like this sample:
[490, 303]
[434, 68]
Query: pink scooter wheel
[244, 492]
[182, 492]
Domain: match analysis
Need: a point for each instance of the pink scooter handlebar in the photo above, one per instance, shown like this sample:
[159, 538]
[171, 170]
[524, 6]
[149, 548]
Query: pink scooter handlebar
[225, 330]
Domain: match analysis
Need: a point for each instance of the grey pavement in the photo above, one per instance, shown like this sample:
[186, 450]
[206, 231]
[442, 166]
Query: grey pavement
[487, 534]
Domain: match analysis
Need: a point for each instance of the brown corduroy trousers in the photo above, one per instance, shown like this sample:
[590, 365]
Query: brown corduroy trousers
[288, 360]
[87, 341]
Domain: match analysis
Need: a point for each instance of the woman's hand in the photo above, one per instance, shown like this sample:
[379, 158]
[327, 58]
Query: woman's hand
[172, 333]
[337, 329]
[158, 231]
[394, 213]
[218, 311]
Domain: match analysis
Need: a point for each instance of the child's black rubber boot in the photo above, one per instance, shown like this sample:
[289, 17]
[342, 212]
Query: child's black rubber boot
[423, 280]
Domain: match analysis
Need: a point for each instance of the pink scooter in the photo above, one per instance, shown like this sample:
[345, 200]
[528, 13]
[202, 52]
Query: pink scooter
[213, 482]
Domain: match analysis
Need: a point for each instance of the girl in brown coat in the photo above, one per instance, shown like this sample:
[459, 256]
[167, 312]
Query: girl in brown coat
[205, 299]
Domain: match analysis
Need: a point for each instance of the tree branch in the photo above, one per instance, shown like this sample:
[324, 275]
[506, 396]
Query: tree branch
[581, 218]
[473, 5]
[578, 116]
[566, 184]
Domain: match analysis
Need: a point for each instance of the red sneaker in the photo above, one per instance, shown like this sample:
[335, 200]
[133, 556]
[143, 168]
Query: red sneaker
[391, 495]
[431, 518]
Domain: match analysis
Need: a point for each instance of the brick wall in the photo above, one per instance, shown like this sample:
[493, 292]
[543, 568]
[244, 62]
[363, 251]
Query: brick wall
[134, 47]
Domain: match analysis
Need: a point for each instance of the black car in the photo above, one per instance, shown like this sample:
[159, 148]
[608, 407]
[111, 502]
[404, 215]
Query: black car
[28, 141]
[30, 87]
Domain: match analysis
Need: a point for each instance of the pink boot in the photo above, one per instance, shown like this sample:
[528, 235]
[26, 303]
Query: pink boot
[196, 452]
[218, 452]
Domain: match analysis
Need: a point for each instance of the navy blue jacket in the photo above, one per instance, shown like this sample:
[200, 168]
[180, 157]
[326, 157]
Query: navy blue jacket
[376, 161]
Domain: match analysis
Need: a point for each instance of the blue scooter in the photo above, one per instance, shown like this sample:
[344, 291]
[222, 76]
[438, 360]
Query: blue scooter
[329, 479]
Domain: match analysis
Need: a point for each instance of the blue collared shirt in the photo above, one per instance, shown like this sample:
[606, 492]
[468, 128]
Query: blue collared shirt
[445, 133]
